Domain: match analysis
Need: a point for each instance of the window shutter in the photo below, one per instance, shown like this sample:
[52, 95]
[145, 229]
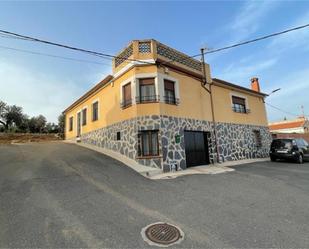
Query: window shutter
[127, 91]
[148, 81]
[169, 85]
[238, 100]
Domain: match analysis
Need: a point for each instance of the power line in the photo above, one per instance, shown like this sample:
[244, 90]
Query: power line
[8, 34]
[33, 39]
[254, 40]
[277, 108]
[53, 56]
[242, 43]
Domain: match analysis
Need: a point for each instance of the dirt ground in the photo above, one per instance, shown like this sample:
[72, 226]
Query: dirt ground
[8, 138]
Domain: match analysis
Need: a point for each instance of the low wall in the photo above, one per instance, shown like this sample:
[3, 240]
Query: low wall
[7, 138]
[291, 135]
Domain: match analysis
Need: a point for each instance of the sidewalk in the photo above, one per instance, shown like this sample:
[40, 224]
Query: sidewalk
[156, 174]
[211, 169]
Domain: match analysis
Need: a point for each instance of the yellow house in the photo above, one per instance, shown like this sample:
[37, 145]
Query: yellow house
[158, 109]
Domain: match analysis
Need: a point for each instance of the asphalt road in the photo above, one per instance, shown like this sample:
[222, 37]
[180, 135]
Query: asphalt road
[62, 195]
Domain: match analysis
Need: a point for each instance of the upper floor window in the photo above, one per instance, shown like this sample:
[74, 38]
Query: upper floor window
[95, 111]
[239, 104]
[147, 91]
[148, 143]
[169, 92]
[71, 124]
[84, 116]
[126, 93]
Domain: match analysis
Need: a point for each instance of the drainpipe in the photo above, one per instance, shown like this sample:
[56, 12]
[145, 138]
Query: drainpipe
[203, 83]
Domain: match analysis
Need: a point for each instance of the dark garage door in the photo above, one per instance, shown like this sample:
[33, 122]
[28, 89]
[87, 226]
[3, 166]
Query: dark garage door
[196, 147]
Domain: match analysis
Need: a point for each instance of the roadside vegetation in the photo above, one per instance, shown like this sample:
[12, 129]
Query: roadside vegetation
[16, 125]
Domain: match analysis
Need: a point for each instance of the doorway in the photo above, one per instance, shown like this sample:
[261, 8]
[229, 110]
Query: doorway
[196, 147]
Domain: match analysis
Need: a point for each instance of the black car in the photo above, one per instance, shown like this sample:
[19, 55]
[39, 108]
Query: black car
[295, 149]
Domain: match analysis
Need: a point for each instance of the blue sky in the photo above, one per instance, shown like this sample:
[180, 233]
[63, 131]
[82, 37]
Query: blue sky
[44, 85]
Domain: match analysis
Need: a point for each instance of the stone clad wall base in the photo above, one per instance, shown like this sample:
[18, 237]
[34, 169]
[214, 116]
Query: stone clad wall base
[238, 141]
[235, 141]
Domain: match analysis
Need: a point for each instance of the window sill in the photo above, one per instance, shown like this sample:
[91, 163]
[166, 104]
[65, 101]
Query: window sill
[168, 103]
[148, 157]
[125, 107]
[148, 102]
[241, 112]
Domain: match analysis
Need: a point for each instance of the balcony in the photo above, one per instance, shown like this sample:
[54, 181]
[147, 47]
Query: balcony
[147, 99]
[241, 109]
[126, 103]
[171, 100]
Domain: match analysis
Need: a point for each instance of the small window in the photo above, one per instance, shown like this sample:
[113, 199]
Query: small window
[118, 136]
[239, 104]
[258, 138]
[169, 92]
[84, 116]
[148, 144]
[147, 90]
[95, 111]
[71, 124]
[126, 93]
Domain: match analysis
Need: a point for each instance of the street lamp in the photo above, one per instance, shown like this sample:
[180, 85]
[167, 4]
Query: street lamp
[273, 91]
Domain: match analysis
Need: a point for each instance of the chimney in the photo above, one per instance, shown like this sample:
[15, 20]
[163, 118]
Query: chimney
[255, 86]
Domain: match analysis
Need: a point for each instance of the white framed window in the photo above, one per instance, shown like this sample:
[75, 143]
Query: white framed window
[84, 116]
[239, 103]
[95, 110]
[71, 120]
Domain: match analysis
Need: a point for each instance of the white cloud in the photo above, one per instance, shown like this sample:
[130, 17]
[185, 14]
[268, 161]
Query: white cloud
[242, 71]
[293, 94]
[243, 25]
[289, 41]
[37, 92]
[249, 18]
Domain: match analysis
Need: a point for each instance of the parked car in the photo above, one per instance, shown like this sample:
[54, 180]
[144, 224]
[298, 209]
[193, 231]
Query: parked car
[294, 149]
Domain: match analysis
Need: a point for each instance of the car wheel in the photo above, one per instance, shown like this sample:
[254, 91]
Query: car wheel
[300, 159]
[273, 159]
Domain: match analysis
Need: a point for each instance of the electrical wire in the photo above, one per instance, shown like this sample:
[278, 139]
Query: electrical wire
[8, 34]
[277, 108]
[254, 40]
[33, 39]
[243, 43]
[53, 56]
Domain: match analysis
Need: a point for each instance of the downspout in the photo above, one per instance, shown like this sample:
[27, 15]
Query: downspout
[203, 83]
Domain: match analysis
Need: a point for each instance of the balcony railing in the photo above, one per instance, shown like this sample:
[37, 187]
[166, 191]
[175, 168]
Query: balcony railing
[240, 109]
[126, 103]
[171, 100]
[147, 99]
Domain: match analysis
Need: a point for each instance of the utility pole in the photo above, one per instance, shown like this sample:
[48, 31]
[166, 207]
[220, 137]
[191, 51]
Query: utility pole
[302, 110]
[204, 82]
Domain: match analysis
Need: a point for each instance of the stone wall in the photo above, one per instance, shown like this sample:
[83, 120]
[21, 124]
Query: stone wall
[235, 141]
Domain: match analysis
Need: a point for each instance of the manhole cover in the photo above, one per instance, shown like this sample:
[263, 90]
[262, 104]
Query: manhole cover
[162, 234]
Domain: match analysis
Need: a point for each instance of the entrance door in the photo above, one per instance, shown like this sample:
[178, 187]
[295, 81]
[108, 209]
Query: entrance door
[196, 148]
[78, 123]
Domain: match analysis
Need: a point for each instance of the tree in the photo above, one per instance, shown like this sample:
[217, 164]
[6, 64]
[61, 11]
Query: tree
[10, 115]
[14, 115]
[61, 120]
[51, 128]
[24, 126]
[37, 124]
[3, 110]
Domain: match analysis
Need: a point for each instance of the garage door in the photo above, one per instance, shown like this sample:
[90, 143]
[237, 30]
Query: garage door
[196, 148]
